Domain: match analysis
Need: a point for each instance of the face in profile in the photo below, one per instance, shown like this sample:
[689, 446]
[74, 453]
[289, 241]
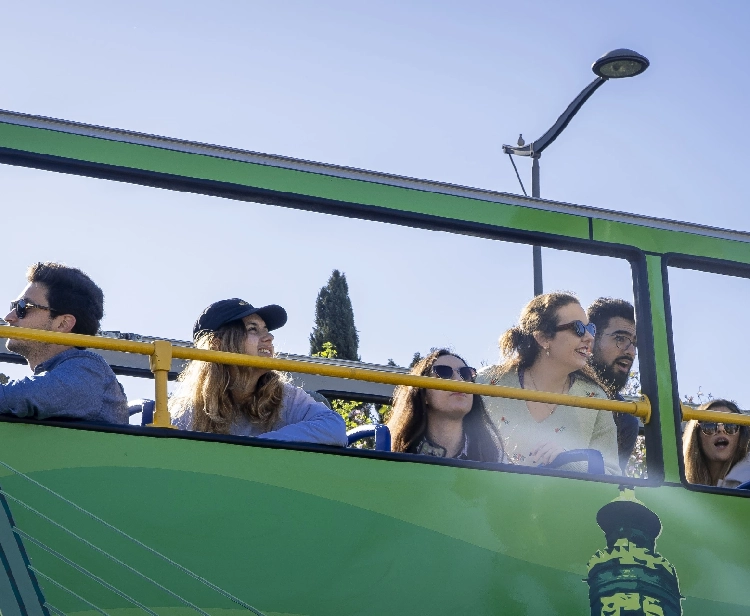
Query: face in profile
[567, 348]
[36, 316]
[258, 340]
[450, 403]
[614, 352]
[719, 445]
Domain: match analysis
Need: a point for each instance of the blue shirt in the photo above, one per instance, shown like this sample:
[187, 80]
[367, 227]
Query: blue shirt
[74, 384]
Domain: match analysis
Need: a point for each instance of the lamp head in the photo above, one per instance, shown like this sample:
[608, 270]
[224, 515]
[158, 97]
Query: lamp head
[620, 63]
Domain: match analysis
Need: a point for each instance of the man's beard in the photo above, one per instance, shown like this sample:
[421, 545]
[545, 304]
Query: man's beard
[613, 381]
[22, 347]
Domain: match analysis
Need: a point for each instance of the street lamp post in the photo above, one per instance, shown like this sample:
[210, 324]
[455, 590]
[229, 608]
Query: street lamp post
[616, 64]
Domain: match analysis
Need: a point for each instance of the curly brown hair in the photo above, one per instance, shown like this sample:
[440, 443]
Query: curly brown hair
[408, 422]
[218, 394]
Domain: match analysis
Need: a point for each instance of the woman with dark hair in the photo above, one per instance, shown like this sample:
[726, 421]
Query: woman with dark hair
[715, 453]
[548, 351]
[439, 423]
[242, 400]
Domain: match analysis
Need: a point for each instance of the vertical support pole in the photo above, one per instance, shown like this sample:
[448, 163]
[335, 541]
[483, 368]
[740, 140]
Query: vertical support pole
[161, 362]
[536, 250]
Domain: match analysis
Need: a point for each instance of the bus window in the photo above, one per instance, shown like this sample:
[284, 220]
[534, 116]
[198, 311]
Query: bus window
[707, 314]
[170, 254]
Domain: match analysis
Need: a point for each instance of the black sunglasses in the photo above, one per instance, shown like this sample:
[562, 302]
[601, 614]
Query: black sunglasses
[446, 372]
[578, 328]
[21, 306]
[709, 428]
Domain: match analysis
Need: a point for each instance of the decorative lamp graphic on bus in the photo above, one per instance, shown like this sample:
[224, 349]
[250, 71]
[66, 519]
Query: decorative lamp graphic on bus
[630, 577]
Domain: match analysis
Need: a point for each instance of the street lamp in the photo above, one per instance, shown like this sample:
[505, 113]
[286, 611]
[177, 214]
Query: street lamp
[616, 64]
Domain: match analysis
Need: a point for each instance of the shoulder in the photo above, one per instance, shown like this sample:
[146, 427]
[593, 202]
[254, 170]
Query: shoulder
[294, 397]
[740, 472]
[583, 386]
[492, 375]
[293, 393]
[74, 356]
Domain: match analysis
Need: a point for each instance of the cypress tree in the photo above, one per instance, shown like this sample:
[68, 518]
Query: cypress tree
[334, 319]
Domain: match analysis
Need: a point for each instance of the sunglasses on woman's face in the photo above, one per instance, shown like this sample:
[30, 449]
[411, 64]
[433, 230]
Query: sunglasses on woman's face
[578, 328]
[709, 428]
[446, 372]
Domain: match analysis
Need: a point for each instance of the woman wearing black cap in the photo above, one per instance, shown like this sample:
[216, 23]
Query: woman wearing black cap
[246, 401]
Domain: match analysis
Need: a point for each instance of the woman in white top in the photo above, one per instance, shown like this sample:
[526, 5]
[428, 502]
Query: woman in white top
[549, 351]
[245, 401]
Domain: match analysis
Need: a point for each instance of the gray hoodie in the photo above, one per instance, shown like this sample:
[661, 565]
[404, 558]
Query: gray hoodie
[301, 419]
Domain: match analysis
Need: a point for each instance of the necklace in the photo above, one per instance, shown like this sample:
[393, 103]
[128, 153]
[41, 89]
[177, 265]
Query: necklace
[551, 407]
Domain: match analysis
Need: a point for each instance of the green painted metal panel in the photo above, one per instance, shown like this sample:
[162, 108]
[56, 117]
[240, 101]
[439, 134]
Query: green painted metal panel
[308, 533]
[670, 446]
[665, 241]
[287, 181]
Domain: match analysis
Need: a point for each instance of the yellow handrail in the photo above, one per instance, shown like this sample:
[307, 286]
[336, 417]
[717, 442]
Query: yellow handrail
[689, 413]
[161, 353]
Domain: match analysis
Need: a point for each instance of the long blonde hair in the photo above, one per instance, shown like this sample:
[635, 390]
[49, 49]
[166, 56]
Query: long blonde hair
[219, 394]
[696, 467]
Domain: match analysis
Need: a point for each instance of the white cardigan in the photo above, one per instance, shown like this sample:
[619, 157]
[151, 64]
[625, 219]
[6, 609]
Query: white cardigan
[568, 427]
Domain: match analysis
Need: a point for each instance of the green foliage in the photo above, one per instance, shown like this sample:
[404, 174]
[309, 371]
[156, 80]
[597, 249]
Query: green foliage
[328, 351]
[334, 319]
[637, 462]
[354, 413]
[698, 398]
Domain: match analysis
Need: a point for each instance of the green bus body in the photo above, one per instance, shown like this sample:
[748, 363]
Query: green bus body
[300, 530]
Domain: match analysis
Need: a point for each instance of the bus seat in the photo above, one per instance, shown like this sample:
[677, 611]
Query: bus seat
[380, 431]
[143, 406]
[592, 456]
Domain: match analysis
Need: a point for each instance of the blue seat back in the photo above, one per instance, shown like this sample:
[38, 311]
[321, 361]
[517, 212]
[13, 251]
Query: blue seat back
[380, 431]
[143, 406]
[592, 456]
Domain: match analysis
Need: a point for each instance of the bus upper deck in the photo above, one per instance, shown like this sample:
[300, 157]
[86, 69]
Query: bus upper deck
[258, 519]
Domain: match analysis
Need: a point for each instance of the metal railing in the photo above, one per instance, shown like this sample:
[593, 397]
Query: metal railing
[161, 352]
[689, 413]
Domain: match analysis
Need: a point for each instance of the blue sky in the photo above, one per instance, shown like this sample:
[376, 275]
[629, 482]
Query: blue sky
[422, 89]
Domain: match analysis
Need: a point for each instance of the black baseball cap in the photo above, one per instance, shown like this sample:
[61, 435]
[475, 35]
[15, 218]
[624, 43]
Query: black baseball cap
[225, 311]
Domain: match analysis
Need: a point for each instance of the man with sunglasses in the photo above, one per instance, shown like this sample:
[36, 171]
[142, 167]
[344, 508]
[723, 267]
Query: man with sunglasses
[612, 358]
[67, 382]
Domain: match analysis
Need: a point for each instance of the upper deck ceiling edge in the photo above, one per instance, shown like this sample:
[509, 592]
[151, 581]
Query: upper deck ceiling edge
[350, 173]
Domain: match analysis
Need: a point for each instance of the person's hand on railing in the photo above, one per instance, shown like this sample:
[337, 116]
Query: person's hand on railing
[545, 454]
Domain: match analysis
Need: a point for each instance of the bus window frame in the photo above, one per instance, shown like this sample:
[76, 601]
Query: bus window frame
[708, 265]
[636, 257]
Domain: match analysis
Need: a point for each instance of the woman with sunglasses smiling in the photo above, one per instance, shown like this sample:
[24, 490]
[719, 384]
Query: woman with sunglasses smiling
[716, 453]
[439, 423]
[549, 351]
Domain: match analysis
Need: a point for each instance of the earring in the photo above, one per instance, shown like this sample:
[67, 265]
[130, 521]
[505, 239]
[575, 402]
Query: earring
[546, 350]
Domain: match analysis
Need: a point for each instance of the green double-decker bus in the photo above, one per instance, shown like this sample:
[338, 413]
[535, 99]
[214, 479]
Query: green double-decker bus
[128, 519]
